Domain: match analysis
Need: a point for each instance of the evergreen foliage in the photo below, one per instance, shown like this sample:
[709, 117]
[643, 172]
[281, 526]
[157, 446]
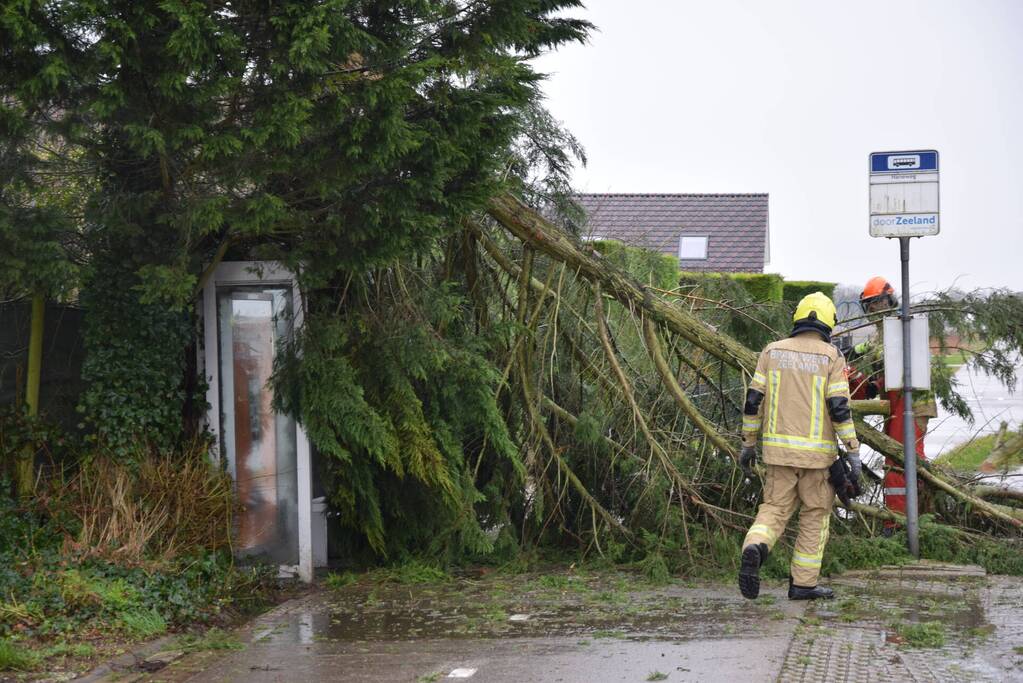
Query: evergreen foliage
[336, 136]
[761, 287]
[37, 214]
[401, 399]
[451, 379]
[135, 366]
[986, 326]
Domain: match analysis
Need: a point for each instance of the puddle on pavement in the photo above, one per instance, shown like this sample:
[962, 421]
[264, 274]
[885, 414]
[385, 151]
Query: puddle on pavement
[959, 614]
[590, 612]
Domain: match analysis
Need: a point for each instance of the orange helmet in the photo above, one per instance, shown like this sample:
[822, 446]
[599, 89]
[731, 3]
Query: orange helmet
[877, 288]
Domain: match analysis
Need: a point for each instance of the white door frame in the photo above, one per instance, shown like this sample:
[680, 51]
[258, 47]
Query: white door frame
[259, 273]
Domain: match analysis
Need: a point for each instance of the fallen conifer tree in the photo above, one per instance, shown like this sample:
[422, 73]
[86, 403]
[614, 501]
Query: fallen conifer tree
[659, 317]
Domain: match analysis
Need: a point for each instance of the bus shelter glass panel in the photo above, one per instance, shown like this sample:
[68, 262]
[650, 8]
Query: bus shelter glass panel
[259, 444]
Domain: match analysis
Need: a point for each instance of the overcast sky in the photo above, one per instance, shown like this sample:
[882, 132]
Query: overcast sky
[789, 97]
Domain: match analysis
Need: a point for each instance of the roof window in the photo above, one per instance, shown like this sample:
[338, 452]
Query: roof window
[692, 247]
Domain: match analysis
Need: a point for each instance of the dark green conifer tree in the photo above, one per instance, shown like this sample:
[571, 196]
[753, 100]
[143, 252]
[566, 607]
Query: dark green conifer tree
[346, 138]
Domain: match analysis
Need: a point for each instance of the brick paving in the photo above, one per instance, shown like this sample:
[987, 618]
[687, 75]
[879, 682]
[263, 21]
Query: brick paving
[860, 636]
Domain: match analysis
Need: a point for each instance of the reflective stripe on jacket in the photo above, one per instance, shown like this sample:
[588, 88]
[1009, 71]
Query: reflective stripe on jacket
[802, 390]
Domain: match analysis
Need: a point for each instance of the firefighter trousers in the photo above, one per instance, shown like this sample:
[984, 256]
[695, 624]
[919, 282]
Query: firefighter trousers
[787, 489]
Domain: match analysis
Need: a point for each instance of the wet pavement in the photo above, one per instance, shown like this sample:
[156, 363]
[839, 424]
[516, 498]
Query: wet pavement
[886, 628]
[542, 627]
[574, 626]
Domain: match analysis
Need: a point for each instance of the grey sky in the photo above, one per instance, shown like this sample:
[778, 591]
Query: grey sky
[789, 98]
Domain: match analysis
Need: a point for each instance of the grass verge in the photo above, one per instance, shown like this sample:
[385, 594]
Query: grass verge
[967, 457]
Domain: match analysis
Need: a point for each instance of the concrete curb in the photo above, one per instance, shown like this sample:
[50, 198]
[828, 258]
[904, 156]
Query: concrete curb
[129, 661]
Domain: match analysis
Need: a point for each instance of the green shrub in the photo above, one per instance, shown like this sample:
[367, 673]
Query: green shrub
[336, 581]
[655, 569]
[761, 287]
[794, 290]
[753, 318]
[553, 582]
[847, 551]
[413, 572]
[134, 361]
[945, 544]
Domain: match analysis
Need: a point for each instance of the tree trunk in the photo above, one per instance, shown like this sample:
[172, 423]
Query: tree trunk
[25, 471]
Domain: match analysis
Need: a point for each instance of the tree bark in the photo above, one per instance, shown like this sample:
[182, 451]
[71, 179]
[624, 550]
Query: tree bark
[25, 471]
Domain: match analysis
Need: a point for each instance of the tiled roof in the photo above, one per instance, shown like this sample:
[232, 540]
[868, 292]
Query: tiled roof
[736, 225]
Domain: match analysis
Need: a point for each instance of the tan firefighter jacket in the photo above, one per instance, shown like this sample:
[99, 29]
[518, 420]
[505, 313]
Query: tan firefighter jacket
[799, 400]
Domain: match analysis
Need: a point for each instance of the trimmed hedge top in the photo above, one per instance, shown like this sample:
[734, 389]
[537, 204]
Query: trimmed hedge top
[760, 286]
[795, 290]
[769, 287]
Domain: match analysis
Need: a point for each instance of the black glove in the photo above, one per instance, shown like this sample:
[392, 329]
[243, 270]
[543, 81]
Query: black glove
[747, 459]
[842, 478]
[855, 465]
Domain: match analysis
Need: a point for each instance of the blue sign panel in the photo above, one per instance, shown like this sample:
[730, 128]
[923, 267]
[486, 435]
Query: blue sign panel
[919, 161]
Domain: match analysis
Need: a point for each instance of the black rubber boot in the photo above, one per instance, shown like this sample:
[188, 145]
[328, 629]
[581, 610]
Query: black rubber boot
[753, 557]
[805, 593]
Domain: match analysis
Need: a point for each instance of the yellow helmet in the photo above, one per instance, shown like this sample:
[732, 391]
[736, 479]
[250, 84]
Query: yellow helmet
[817, 305]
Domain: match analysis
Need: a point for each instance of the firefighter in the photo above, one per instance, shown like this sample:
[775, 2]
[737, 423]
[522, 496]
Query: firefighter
[867, 381]
[799, 400]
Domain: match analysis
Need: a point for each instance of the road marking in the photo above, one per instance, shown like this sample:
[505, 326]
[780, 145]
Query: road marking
[462, 673]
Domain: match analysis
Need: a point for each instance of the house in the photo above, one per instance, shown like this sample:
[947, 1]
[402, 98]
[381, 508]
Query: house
[707, 232]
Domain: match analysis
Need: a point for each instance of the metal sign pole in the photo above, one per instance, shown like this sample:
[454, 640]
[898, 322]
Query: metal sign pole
[904, 203]
[908, 426]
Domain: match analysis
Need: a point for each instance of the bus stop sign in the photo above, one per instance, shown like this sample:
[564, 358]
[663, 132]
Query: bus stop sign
[904, 194]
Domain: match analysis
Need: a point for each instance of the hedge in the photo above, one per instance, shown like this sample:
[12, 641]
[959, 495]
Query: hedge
[760, 286]
[797, 289]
